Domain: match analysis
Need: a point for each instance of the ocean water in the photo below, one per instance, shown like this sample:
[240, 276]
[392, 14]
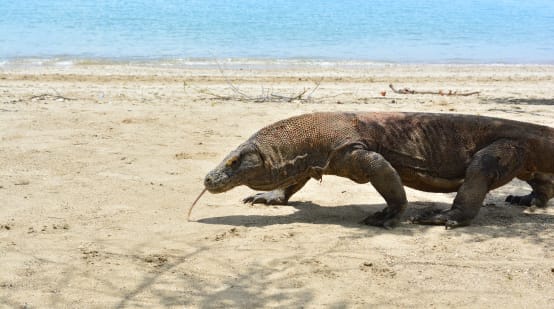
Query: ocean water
[432, 31]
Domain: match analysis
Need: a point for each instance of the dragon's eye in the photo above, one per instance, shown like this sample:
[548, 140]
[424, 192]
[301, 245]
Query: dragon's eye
[233, 162]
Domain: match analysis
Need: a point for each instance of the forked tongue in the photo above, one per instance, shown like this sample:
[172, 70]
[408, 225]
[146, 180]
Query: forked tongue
[194, 203]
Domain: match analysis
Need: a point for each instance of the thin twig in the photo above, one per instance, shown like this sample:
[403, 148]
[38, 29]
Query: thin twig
[267, 94]
[233, 87]
[206, 91]
[315, 88]
[40, 97]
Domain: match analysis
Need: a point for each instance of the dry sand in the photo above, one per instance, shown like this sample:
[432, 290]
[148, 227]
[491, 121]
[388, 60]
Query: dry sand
[94, 193]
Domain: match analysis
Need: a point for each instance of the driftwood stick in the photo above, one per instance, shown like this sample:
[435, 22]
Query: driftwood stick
[40, 97]
[440, 92]
[49, 96]
[298, 96]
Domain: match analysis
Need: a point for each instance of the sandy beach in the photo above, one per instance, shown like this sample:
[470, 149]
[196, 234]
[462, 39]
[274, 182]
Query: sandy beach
[99, 164]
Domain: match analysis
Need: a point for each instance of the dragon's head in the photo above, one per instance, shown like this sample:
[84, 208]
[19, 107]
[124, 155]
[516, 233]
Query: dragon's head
[243, 166]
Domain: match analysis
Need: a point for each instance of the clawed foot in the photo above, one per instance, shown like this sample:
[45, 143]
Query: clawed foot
[384, 218]
[522, 200]
[449, 218]
[268, 198]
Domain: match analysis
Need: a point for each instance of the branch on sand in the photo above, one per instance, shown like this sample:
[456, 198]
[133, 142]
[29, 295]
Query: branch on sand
[440, 92]
[266, 95]
[41, 97]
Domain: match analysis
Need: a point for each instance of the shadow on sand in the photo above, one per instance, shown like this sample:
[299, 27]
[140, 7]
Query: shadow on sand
[494, 220]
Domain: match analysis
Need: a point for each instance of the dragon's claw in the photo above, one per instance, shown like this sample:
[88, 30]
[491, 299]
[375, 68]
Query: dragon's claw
[267, 198]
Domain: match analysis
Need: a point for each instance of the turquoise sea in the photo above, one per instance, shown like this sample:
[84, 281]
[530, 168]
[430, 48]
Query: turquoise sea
[433, 31]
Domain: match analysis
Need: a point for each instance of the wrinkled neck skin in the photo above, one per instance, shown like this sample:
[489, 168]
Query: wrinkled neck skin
[285, 171]
[260, 170]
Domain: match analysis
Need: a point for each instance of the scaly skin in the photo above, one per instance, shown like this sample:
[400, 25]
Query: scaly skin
[470, 155]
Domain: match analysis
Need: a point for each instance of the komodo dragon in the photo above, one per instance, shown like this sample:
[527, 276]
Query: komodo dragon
[430, 152]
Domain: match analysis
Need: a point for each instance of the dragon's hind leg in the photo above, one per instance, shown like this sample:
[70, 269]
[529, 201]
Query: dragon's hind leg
[543, 190]
[490, 168]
